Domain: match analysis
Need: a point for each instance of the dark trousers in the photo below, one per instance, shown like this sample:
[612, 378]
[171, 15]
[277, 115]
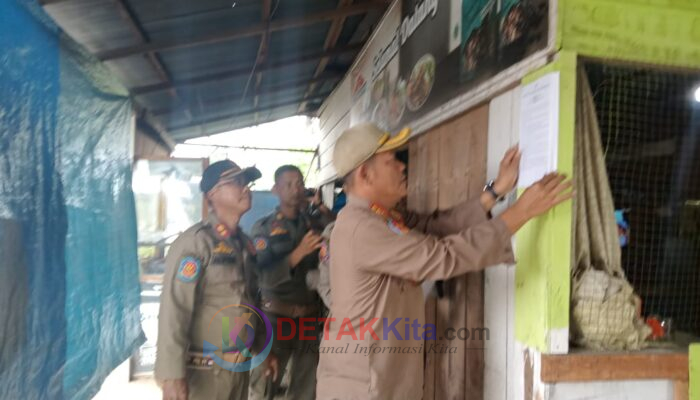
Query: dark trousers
[297, 357]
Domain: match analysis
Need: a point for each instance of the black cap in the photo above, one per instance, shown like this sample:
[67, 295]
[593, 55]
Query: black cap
[225, 169]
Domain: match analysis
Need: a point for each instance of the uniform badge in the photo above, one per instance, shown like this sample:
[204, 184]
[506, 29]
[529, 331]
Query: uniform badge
[323, 254]
[397, 227]
[222, 231]
[223, 248]
[278, 231]
[260, 244]
[189, 270]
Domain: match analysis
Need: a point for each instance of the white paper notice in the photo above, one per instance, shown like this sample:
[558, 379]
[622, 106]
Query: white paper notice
[539, 128]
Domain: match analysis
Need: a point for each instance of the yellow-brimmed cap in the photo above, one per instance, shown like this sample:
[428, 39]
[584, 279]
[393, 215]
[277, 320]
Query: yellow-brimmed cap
[359, 143]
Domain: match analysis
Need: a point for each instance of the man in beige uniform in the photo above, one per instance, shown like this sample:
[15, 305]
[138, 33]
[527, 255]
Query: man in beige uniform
[207, 276]
[380, 257]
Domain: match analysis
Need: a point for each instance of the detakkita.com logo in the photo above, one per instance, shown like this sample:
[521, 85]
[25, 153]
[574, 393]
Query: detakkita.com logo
[239, 340]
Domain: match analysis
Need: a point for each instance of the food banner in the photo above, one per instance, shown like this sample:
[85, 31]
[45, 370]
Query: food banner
[374, 67]
[427, 52]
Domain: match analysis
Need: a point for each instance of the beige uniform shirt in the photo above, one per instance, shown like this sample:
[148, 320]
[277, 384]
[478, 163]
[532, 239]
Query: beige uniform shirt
[376, 268]
[207, 269]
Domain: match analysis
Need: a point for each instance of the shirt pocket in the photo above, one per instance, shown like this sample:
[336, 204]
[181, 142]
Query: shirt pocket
[224, 285]
[281, 245]
[224, 271]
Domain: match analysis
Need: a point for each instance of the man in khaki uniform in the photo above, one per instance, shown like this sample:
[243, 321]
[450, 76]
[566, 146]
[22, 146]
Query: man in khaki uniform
[207, 274]
[380, 257]
[287, 241]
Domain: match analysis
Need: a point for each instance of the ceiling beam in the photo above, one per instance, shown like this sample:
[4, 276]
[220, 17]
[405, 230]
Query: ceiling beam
[184, 134]
[223, 146]
[237, 96]
[245, 112]
[331, 39]
[329, 75]
[242, 71]
[262, 50]
[254, 30]
[50, 2]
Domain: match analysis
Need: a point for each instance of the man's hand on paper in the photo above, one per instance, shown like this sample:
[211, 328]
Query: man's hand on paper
[508, 171]
[542, 196]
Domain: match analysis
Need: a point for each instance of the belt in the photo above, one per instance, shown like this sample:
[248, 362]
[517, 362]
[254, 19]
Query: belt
[200, 361]
[289, 310]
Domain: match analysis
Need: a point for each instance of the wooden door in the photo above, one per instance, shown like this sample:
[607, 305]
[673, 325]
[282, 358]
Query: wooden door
[447, 166]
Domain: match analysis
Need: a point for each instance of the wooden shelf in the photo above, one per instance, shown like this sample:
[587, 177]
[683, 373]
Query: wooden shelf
[587, 367]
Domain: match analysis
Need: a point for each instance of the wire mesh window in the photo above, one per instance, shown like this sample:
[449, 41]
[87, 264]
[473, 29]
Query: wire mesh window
[650, 132]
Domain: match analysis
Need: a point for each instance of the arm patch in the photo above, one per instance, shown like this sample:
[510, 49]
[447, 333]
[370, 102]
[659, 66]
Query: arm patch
[189, 270]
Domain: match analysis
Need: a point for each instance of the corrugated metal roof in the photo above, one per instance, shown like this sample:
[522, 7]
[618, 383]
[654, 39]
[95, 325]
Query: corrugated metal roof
[207, 66]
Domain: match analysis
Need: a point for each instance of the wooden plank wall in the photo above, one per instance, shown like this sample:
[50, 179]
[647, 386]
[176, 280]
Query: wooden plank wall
[423, 197]
[447, 166]
[499, 281]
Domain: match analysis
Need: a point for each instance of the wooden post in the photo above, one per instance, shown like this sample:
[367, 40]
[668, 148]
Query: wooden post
[680, 390]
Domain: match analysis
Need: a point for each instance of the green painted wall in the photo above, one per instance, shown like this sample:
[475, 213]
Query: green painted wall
[543, 246]
[694, 372]
[665, 32]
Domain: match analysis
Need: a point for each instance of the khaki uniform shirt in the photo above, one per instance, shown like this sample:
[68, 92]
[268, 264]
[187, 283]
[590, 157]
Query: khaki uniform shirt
[275, 236]
[376, 267]
[207, 269]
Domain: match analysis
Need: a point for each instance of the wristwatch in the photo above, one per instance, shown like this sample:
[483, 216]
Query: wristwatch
[489, 188]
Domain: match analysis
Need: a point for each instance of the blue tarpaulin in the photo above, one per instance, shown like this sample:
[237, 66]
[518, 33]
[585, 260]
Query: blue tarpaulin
[69, 290]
